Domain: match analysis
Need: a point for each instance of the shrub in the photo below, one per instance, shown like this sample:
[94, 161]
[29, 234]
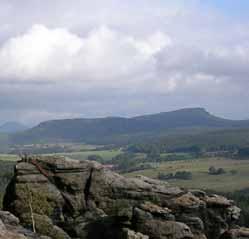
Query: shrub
[185, 175]
[96, 158]
[38, 200]
[213, 171]
[163, 176]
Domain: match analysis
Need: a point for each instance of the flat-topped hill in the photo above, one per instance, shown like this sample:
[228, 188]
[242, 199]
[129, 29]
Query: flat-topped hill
[118, 129]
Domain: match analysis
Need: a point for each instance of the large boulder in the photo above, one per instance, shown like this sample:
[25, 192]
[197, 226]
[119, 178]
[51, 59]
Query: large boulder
[81, 199]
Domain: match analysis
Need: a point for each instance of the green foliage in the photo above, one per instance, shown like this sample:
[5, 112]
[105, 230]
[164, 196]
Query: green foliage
[197, 142]
[38, 199]
[96, 158]
[213, 171]
[183, 175]
[123, 162]
[44, 226]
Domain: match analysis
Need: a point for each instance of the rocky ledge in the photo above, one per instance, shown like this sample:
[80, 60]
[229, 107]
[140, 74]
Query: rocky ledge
[64, 198]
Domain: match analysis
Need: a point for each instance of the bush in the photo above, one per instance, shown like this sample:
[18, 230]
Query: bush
[221, 171]
[125, 162]
[37, 199]
[213, 171]
[163, 176]
[184, 175]
[96, 158]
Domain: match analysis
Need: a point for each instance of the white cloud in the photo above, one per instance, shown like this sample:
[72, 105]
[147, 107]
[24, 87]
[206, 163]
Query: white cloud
[39, 53]
[56, 54]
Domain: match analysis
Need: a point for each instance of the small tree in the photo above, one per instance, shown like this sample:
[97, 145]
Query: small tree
[212, 170]
[96, 158]
[221, 171]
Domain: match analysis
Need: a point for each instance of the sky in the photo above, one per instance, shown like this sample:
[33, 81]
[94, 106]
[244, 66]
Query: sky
[70, 59]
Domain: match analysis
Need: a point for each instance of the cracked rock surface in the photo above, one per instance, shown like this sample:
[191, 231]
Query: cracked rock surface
[82, 199]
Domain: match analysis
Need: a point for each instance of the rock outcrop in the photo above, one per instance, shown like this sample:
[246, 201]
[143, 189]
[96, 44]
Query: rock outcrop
[66, 198]
[10, 228]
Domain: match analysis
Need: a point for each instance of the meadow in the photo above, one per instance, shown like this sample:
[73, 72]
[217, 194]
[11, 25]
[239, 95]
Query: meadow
[9, 157]
[227, 182]
[105, 154]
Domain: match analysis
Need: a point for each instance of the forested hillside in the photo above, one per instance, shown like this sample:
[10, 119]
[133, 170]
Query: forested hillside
[114, 130]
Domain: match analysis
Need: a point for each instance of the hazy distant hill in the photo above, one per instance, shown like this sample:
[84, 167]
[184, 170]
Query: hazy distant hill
[12, 127]
[115, 129]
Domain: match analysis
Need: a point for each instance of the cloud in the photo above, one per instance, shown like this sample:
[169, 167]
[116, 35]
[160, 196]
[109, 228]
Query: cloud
[39, 53]
[56, 54]
[88, 58]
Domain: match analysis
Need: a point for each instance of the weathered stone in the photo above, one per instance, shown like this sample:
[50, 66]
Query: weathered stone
[157, 211]
[217, 201]
[2, 226]
[234, 213]
[186, 202]
[240, 233]
[157, 229]
[82, 199]
[8, 218]
[10, 228]
[129, 234]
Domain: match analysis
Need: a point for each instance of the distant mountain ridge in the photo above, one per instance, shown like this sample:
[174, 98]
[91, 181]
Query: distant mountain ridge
[12, 127]
[112, 129]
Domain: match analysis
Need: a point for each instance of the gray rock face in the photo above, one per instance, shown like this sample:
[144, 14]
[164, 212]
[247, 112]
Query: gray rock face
[11, 229]
[82, 199]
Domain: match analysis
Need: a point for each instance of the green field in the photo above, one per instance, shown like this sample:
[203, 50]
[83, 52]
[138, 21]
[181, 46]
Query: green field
[8, 157]
[105, 154]
[201, 179]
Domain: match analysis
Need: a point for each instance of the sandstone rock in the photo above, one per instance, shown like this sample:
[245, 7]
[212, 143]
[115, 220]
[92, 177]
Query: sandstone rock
[45, 226]
[82, 199]
[8, 218]
[2, 226]
[240, 233]
[157, 211]
[10, 228]
[186, 202]
[157, 229]
[218, 201]
[129, 234]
